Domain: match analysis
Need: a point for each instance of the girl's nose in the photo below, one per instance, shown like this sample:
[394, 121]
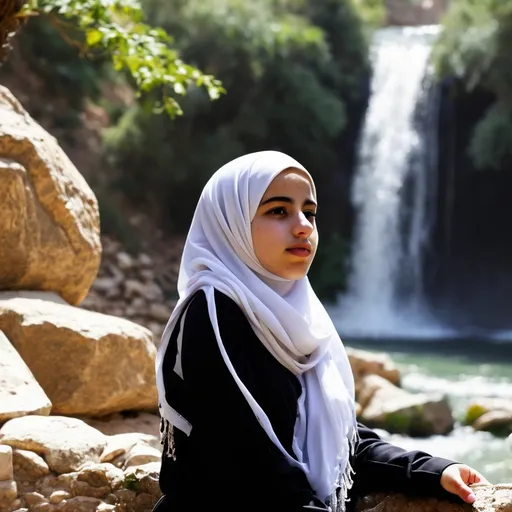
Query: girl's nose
[303, 226]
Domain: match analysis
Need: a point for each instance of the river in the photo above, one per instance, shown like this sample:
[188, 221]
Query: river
[464, 370]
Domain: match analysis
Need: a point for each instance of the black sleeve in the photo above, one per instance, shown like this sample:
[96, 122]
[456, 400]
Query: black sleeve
[381, 466]
[246, 455]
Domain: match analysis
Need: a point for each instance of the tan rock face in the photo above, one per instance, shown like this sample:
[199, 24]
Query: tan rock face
[20, 393]
[64, 443]
[87, 363]
[489, 498]
[49, 219]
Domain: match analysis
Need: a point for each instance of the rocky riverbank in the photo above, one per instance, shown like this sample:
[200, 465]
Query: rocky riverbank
[80, 319]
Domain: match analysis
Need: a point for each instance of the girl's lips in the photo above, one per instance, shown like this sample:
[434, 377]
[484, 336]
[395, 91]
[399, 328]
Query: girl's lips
[301, 253]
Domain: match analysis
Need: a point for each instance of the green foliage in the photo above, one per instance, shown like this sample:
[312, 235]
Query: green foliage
[475, 48]
[57, 64]
[475, 45]
[372, 12]
[473, 413]
[114, 222]
[290, 69]
[115, 28]
[491, 143]
[328, 274]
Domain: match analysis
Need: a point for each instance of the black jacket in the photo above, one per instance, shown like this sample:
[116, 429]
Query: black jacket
[228, 461]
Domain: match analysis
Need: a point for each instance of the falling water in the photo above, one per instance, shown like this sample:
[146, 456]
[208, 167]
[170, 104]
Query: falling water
[392, 189]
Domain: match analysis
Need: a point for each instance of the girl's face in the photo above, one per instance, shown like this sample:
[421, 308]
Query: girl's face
[284, 233]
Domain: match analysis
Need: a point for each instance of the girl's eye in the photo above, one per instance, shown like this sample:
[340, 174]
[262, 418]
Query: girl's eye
[310, 214]
[277, 211]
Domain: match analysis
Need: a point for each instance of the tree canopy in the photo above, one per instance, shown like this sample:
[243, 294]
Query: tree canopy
[115, 29]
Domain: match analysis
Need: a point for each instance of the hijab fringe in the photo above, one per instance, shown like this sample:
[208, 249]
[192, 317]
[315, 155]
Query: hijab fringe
[167, 438]
[338, 500]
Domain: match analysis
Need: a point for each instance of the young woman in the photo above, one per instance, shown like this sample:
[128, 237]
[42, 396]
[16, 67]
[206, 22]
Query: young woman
[256, 391]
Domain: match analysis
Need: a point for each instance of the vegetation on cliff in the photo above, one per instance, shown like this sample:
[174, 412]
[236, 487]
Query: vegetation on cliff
[474, 48]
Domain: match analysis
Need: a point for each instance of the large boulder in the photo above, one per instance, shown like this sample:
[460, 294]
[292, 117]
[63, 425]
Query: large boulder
[491, 415]
[86, 362]
[64, 443]
[20, 393]
[49, 219]
[396, 410]
[489, 498]
[364, 362]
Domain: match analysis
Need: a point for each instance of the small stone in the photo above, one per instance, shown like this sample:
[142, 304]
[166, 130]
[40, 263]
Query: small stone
[28, 465]
[142, 454]
[159, 312]
[149, 291]
[16, 504]
[104, 284]
[124, 260]
[125, 495]
[145, 260]
[8, 491]
[41, 507]
[6, 467]
[111, 499]
[104, 507]
[139, 304]
[80, 504]
[34, 498]
[147, 275]
[58, 496]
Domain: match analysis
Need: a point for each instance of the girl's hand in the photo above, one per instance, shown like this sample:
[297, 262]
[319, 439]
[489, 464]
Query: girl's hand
[457, 478]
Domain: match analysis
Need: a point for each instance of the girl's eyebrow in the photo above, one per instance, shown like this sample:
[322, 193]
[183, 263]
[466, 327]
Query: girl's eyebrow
[284, 199]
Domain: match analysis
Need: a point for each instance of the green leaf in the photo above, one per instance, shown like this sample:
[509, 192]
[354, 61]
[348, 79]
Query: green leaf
[93, 37]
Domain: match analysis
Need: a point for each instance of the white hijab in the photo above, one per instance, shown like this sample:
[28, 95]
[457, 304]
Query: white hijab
[287, 317]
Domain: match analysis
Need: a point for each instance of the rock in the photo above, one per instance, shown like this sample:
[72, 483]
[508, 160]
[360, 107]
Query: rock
[407, 13]
[144, 479]
[147, 275]
[106, 284]
[149, 291]
[49, 218]
[34, 498]
[65, 443]
[124, 261]
[87, 363]
[28, 466]
[57, 497]
[141, 454]
[6, 465]
[489, 498]
[492, 414]
[20, 393]
[364, 363]
[8, 492]
[144, 260]
[93, 480]
[139, 423]
[159, 312]
[498, 423]
[80, 504]
[123, 443]
[395, 410]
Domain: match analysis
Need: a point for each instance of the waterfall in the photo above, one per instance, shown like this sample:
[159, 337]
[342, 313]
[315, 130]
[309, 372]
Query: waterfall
[393, 188]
